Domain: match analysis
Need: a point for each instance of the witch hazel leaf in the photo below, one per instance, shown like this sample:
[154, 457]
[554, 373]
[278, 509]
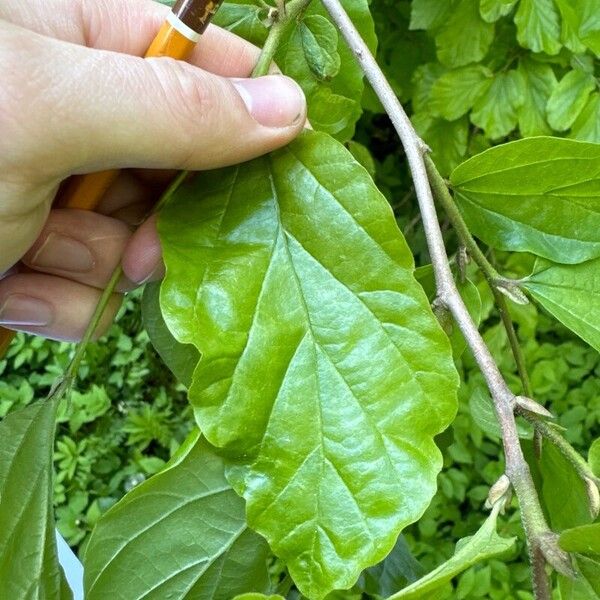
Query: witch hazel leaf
[514, 197]
[182, 533]
[324, 374]
[28, 555]
[570, 293]
[320, 41]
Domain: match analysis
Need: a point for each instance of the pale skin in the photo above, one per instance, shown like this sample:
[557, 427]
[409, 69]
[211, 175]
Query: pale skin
[76, 98]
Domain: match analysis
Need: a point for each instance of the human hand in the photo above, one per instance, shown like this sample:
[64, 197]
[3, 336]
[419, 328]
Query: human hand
[75, 99]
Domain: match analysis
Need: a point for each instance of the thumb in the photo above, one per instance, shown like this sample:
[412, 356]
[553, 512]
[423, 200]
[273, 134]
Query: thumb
[109, 110]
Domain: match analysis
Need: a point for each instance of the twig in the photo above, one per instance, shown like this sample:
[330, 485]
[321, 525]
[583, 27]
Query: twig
[498, 284]
[539, 536]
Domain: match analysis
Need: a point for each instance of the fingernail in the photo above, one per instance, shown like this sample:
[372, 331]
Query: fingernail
[63, 253]
[19, 310]
[273, 100]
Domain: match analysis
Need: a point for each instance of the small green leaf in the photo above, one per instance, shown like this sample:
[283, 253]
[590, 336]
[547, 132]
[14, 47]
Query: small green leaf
[181, 359]
[254, 596]
[346, 85]
[569, 98]
[571, 22]
[538, 26]
[181, 534]
[290, 276]
[589, 25]
[429, 14]
[539, 83]
[456, 49]
[320, 42]
[454, 93]
[244, 19]
[485, 544]
[346, 88]
[587, 125]
[28, 561]
[447, 139]
[329, 112]
[492, 10]
[582, 540]
[515, 197]
[570, 293]
[424, 78]
[496, 112]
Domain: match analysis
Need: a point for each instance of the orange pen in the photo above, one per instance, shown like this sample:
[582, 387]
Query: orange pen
[176, 38]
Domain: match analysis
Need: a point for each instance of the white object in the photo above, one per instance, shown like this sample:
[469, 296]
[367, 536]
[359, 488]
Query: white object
[71, 566]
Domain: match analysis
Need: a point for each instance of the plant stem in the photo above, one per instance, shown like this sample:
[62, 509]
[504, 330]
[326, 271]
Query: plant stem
[73, 367]
[444, 198]
[283, 21]
[517, 469]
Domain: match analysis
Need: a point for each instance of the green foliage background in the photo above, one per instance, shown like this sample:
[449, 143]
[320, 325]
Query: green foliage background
[472, 73]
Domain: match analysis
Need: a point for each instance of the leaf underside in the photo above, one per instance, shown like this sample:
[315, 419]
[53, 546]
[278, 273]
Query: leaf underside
[28, 557]
[324, 374]
[181, 534]
[515, 197]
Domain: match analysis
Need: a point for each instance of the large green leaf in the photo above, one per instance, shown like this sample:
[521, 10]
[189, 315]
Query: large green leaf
[181, 534]
[485, 544]
[571, 294]
[517, 197]
[29, 566]
[324, 373]
[181, 359]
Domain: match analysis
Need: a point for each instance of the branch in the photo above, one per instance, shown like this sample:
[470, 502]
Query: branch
[500, 286]
[539, 536]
